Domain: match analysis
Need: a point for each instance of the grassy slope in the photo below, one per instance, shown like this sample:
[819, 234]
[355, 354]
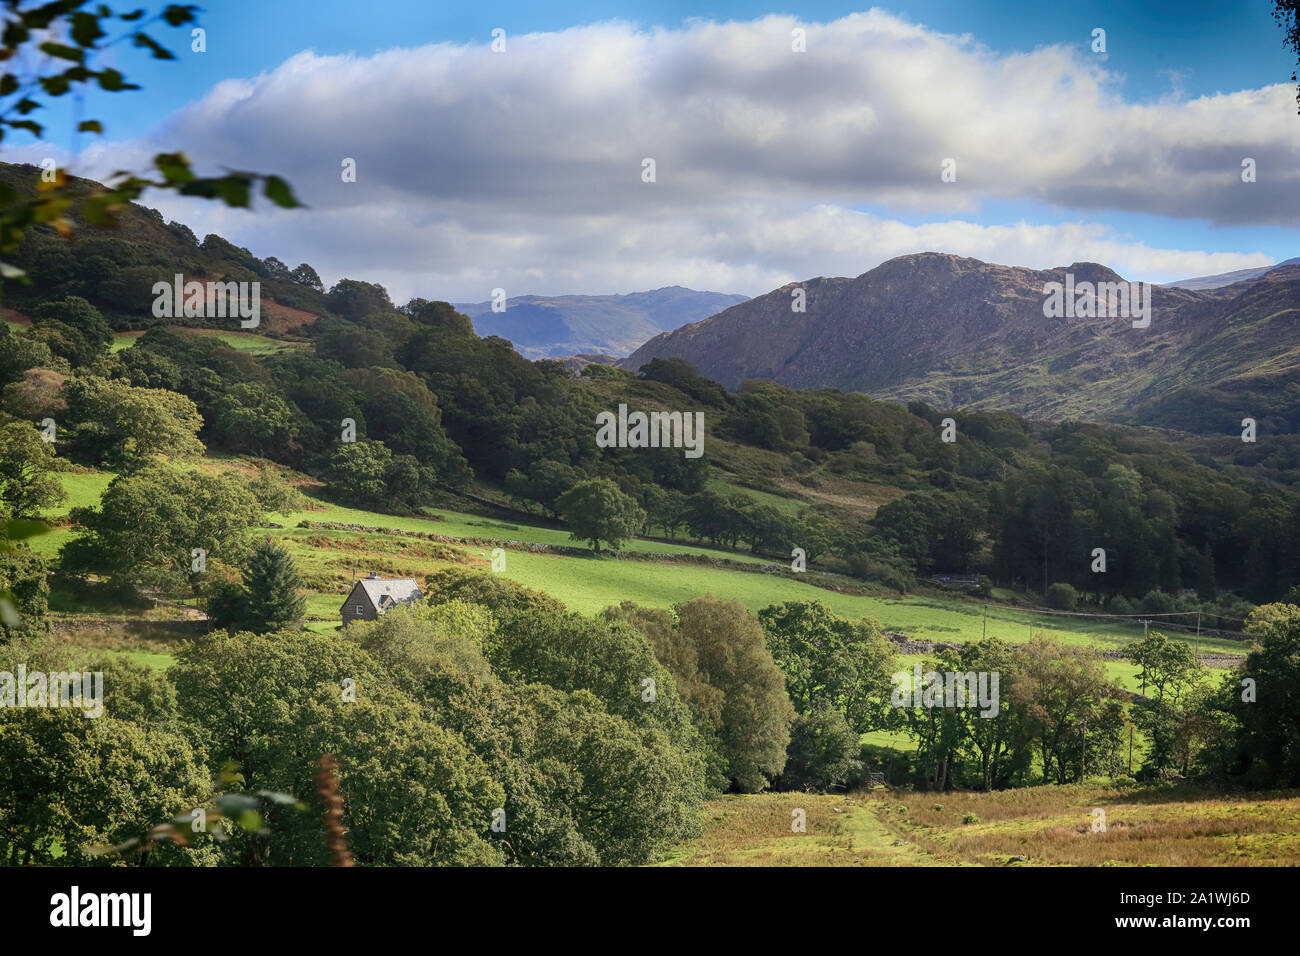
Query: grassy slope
[588, 584]
[1049, 826]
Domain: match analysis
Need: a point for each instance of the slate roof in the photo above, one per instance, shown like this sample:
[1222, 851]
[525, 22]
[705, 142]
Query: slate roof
[389, 592]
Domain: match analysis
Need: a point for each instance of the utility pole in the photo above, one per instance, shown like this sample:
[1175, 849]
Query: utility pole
[986, 621]
[1198, 634]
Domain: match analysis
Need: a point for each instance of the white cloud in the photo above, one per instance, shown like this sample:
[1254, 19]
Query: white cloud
[522, 169]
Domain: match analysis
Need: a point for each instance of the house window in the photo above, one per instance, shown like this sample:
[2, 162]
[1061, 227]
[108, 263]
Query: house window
[360, 610]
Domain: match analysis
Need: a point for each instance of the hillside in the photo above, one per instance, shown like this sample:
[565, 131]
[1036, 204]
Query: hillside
[957, 332]
[553, 326]
[1228, 278]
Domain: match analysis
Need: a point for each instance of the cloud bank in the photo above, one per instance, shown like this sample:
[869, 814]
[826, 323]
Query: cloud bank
[522, 169]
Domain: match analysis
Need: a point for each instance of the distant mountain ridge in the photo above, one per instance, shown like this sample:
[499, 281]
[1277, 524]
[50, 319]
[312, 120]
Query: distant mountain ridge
[1228, 278]
[562, 325]
[957, 332]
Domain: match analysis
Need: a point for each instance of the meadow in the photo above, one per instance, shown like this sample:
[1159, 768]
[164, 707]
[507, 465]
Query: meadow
[1046, 825]
[331, 558]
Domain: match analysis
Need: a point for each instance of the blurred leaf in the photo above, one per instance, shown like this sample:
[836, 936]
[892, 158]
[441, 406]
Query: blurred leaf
[85, 28]
[114, 82]
[174, 167]
[177, 14]
[63, 52]
[55, 85]
[90, 126]
[159, 51]
[279, 192]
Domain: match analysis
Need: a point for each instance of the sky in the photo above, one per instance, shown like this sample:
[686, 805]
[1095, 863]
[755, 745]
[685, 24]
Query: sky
[523, 168]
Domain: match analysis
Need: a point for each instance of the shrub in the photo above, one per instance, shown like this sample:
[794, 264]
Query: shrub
[1062, 597]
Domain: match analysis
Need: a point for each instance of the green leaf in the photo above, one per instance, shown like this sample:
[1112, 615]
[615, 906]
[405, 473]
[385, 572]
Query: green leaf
[174, 167]
[85, 28]
[15, 34]
[177, 14]
[159, 51]
[90, 126]
[132, 16]
[279, 192]
[63, 52]
[234, 190]
[36, 129]
[25, 106]
[98, 210]
[114, 82]
[8, 83]
[55, 85]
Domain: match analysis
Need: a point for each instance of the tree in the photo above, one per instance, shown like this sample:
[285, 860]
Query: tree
[18, 353]
[498, 594]
[416, 795]
[1170, 671]
[27, 464]
[576, 776]
[149, 523]
[24, 593]
[270, 597]
[823, 752]
[77, 326]
[253, 418]
[305, 275]
[543, 484]
[352, 299]
[367, 474]
[829, 661]
[1206, 589]
[1062, 688]
[65, 67]
[121, 426]
[596, 510]
[101, 781]
[718, 657]
[1267, 751]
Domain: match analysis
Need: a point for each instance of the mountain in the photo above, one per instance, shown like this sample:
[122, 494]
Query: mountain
[957, 332]
[1227, 278]
[553, 326]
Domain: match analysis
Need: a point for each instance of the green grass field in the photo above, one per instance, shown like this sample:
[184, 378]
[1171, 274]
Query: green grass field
[330, 558]
[250, 342]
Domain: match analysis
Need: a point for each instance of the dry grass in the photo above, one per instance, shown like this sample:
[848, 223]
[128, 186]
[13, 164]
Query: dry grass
[755, 830]
[1052, 826]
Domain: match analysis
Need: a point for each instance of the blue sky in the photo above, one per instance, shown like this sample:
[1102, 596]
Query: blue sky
[1207, 46]
[1182, 93]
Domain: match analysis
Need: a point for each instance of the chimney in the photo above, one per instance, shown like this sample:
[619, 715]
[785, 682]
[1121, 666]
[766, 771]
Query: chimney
[373, 576]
